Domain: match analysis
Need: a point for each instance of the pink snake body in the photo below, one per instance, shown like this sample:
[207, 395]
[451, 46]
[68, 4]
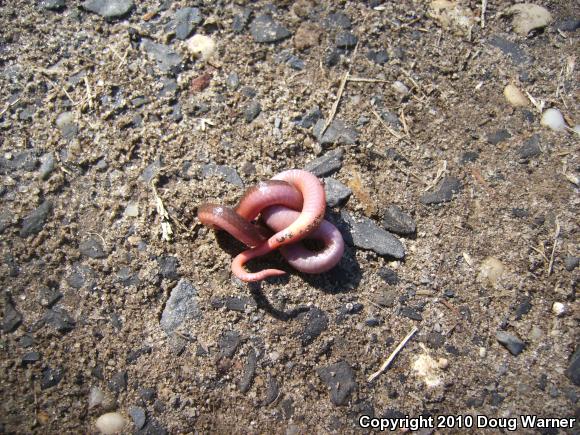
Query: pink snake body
[292, 204]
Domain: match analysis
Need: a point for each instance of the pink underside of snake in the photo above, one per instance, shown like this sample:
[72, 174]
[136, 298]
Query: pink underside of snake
[278, 201]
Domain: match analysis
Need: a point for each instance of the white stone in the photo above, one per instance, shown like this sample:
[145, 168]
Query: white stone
[65, 118]
[553, 119]
[110, 423]
[201, 46]
[577, 129]
[96, 397]
[558, 308]
[514, 96]
[482, 352]
[528, 16]
[490, 271]
[132, 209]
[400, 88]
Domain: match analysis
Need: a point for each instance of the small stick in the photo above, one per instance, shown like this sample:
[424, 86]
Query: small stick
[483, 9]
[556, 235]
[389, 129]
[89, 94]
[404, 122]
[440, 173]
[9, 105]
[365, 80]
[392, 356]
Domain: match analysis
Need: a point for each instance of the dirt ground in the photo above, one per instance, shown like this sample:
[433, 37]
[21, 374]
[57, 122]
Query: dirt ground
[96, 132]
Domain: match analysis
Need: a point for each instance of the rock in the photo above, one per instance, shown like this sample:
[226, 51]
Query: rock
[336, 133]
[397, 221]
[12, 318]
[34, 222]
[307, 35]
[153, 427]
[180, 307]
[168, 267]
[201, 47]
[151, 170]
[230, 175]
[553, 119]
[118, 382]
[167, 59]
[272, 391]
[451, 15]
[411, 313]
[81, 276]
[326, 164]
[443, 193]
[252, 110]
[228, 343]
[46, 166]
[332, 57]
[265, 29]
[559, 309]
[131, 210]
[138, 415]
[59, 319]
[249, 372]
[186, 19]
[530, 148]
[346, 40]
[5, 219]
[200, 83]
[373, 322]
[240, 22]
[233, 81]
[498, 136]
[469, 157]
[238, 303]
[514, 96]
[96, 397]
[53, 5]
[111, 423]
[568, 24]
[510, 342]
[509, 48]
[92, 248]
[310, 118]
[336, 192]
[148, 395]
[400, 88]
[340, 379]
[389, 276]
[337, 21]
[108, 8]
[573, 371]
[24, 161]
[571, 262]
[51, 377]
[366, 234]
[48, 296]
[528, 17]
[523, 308]
[316, 322]
[490, 271]
[380, 57]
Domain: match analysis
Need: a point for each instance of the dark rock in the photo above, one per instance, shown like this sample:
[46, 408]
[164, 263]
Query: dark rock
[346, 40]
[449, 293]
[34, 222]
[337, 21]
[373, 322]
[138, 415]
[59, 319]
[435, 340]
[509, 48]
[108, 8]
[169, 88]
[233, 81]
[228, 343]
[379, 57]
[12, 318]
[180, 307]
[530, 148]
[571, 262]
[249, 372]
[238, 303]
[228, 174]
[176, 114]
[51, 377]
[523, 308]
[139, 101]
[48, 296]
[265, 29]
[151, 170]
[252, 110]
[443, 193]
[127, 277]
[186, 19]
[389, 276]
[340, 379]
[241, 21]
[272, 391]
[30, 358]
[310, 118]
[498, 136]
[520, 213]
[386, 298]
[469, 157]
[81, 276]
[391, 119]
[336, 133]
[336, 192]
[148, 395]
[573, 370]
[411, 313]
[168, 267]
[118, 382]
[135, 354]
[316, 322]
[26, 341]
[23, 161]
[510, 342]
[92, 248]
[153, 427]
[167, 59]
[332, 57]
[568, 24]
[47, 165]
[326, 164]
[5, 219]
[366, 234]
[53, 5]
[397, 221]
[287, 407]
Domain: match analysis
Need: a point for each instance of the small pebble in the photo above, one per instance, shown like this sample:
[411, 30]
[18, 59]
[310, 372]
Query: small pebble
[336, 192]
[398, 222]
[528, 17]
[490, 271]
[138, 415]
[553, 119]
[52, 5]
[132, 209]
[400, 88]
[47, 165]
[201, 46]
[346, 40]
[108, 8]
[265, 29]
[233, 81]
[110, 423]
[326, 164]
[510, 342]
[558, 308]
[252, 111]
[571, 262]
[514, 96]
[96, 397]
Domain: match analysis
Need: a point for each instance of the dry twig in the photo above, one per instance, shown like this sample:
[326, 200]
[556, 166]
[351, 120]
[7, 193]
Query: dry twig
[392, 356]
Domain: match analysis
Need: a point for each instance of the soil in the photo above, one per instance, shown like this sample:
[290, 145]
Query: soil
[87, 274]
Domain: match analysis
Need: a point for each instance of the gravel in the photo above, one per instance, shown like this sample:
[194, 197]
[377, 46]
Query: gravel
[180, 307]
[12, 318]
[315, 323]
[252, 110]
[340, 380]
[336, 192]
[444, 191]
[35, 221]
[249, 372]
[265, 29]
[92, 248]
[51, 377]
[229, 343]
[510, 342]
[186, 19]
[397, 221]
[228, 174]
[326, 164]
[59, 319]
[338, 132]
[109, 8]
[138, 416]
[167, 58]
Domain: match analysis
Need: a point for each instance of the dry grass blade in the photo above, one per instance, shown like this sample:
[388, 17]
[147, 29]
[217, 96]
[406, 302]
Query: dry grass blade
[392, 356]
